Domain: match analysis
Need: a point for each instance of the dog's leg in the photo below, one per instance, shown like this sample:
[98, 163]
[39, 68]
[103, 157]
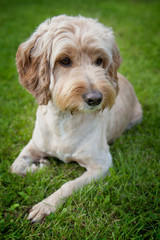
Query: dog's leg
[50, 204]
[29, 160]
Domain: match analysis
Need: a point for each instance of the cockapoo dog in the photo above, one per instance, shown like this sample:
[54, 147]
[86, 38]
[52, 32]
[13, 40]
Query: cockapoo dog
[70, 65]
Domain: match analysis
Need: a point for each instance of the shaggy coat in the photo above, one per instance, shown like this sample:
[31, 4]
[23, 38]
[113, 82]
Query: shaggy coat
[70, 66]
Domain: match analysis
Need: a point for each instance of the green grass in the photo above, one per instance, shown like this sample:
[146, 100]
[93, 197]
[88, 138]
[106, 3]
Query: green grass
[121, 206]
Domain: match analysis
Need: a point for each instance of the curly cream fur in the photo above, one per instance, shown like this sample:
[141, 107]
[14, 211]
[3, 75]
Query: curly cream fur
[67, 126]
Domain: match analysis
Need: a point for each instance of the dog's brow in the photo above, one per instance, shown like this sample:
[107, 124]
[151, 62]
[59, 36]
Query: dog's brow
[65, 51]
[96, 51]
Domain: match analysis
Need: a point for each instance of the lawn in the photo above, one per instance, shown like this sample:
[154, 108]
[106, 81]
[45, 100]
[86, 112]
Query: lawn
[124, 205]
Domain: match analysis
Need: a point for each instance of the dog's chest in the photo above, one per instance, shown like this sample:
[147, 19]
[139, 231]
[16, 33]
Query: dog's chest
[67, 137]
[68, 144]
[62, 145]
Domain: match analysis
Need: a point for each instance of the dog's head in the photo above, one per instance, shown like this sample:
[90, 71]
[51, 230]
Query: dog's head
[71, 61]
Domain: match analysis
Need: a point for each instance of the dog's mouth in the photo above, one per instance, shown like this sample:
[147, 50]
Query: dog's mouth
[84, 100]
[85, 108]
[88, 109]
[91, 102]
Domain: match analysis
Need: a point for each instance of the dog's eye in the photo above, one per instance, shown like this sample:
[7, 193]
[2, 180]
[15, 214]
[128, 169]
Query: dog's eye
[99, 62]
[66, 62]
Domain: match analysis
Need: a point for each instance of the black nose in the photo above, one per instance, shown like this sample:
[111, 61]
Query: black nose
[93, 98]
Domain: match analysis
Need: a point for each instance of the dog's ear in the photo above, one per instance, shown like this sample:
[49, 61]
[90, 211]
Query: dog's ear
[33, 69]
[115, 64]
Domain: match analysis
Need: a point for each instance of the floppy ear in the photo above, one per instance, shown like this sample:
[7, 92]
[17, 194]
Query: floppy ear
[115, 64]
[33, 70]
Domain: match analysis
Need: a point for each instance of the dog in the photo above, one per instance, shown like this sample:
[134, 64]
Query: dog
[69, 64]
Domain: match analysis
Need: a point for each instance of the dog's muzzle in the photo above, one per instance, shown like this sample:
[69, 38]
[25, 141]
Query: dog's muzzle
[93, 98]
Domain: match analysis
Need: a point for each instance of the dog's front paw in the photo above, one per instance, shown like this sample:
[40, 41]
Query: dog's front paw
[22, 166]
[39, 211]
